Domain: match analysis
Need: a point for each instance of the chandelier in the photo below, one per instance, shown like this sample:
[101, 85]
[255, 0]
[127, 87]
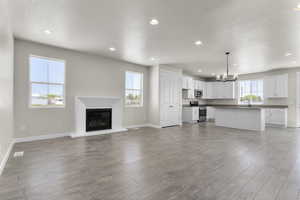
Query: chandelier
[227, 77]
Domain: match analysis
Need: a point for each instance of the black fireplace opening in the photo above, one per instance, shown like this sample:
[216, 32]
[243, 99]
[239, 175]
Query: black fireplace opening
[98, 119]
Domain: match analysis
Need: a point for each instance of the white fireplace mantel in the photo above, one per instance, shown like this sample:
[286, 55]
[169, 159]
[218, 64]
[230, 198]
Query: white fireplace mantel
[84, 102]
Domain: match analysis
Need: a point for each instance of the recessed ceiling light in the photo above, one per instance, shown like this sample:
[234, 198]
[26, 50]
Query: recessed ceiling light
[199, 70]
[288, 54]
[298, 6]
[47, 31]
[154, 22]
[152, 59]
[198, 42]
[112, 49]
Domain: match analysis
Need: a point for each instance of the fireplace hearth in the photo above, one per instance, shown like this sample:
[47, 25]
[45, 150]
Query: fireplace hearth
[98, 119]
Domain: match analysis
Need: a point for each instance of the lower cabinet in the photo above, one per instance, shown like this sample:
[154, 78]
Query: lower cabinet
[210, 113]
[190, 114]
[276, 116]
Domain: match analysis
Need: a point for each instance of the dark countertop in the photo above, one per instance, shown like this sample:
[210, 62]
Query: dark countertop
[241, 106]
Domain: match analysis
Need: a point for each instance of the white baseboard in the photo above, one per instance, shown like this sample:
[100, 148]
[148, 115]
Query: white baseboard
[144, 125]
[6, 156]
[137, 126]
[276, 125]
[93, 133]
[41, 137]
[153, 126]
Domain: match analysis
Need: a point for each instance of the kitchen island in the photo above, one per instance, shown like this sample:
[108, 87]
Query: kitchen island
[240, 117]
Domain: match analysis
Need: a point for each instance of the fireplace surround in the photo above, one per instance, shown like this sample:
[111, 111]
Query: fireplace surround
[98, 115]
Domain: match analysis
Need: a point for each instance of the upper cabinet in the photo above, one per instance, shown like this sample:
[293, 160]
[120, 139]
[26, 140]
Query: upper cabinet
[276, 86]
[219, 90]
[198, 85]
[210, 90]
[187, 83]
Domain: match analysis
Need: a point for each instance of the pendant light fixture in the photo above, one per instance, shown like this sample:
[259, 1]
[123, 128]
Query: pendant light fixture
[227, 77]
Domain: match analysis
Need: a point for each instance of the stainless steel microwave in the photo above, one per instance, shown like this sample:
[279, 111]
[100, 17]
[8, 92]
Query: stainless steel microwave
[198, 93]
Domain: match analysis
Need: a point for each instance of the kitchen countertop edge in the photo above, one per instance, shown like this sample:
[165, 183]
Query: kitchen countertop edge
[239, 106]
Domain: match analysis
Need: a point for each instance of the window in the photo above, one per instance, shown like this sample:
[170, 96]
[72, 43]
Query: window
[47, 82]
[251, 91]
[134, 89]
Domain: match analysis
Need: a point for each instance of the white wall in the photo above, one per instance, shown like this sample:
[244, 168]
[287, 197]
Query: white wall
[6, 81]
[154, 106]
[86, 75]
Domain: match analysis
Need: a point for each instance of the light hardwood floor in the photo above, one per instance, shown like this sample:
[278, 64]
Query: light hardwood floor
[180, 163]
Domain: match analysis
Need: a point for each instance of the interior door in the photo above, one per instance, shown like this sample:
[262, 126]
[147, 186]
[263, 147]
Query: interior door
[169, 99]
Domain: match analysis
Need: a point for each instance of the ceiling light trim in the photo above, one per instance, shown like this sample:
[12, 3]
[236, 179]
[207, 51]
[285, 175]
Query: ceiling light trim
[154, 22]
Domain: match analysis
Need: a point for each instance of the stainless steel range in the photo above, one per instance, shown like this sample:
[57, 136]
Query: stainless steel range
[202, 113]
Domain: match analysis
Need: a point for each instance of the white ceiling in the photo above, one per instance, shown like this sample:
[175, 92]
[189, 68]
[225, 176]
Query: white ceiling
[257, 32]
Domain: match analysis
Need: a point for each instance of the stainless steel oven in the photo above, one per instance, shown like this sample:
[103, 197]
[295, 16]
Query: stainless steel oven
[202, 114]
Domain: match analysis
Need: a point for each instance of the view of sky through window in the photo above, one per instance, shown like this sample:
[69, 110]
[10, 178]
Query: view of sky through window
[134, 89]
[47, 77]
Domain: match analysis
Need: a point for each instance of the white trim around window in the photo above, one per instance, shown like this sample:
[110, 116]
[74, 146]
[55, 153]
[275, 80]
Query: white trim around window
[256, 93]
[141, 90]
[45, 83]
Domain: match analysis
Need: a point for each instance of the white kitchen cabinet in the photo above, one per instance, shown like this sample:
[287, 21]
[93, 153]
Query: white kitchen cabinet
[190, 114]
[187, 83]
[201, 85]
[219, 90]
[188, 94]
[276, 116]
[198, 85]
[228, 90]
[190, 83]
[282, 86]
[276, 86]
[210, 113]
[191, 94]
[208, 90]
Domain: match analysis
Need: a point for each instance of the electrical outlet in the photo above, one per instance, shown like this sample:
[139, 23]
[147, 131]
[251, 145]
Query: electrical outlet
[19, 154]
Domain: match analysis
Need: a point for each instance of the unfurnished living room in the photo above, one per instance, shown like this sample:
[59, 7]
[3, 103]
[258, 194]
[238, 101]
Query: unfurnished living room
[149, 100]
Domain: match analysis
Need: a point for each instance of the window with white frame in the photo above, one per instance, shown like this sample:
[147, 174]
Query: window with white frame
[251, 91]
[47, 82]
[133, 89]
